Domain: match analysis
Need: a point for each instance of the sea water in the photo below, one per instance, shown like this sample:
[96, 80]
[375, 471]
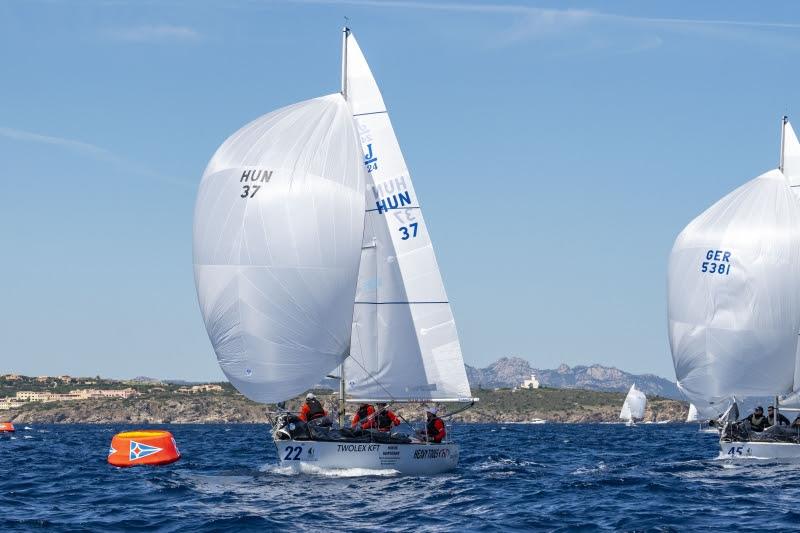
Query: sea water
[511, 477]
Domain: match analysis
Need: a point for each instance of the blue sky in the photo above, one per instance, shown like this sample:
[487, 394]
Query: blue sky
[557, 148]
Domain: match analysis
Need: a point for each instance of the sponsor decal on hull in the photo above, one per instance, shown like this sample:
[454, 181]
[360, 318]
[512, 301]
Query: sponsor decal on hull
[431, 453]
[357, 448]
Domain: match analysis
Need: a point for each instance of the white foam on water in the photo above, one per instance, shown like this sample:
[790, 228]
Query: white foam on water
[293, 470]
[27, 427]
[27, 437]
[582, 471]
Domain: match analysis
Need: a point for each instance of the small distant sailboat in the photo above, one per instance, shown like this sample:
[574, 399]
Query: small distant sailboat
[692, 416]
[634, 406]
[734, 302]
[312, 257]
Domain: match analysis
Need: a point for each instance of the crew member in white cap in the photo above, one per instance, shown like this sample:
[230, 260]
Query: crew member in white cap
[434, 430]
[311, 409]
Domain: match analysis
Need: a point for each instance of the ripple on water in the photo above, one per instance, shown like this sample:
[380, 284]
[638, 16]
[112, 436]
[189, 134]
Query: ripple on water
[551, 476]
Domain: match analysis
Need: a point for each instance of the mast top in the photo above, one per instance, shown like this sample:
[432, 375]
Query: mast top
[784, 121]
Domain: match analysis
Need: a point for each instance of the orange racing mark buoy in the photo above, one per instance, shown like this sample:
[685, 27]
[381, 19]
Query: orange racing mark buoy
[143, 447]
[6, 427]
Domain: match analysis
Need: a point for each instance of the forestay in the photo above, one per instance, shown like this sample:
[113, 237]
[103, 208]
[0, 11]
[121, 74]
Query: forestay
[277, 235]
[634, 406]
[404, 341]
[734, 294]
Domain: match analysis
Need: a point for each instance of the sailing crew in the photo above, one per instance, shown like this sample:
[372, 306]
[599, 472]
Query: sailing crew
[782, 420]
[434, 430]
[364, 416]
[758, 422]
[385, 418]
[311, 409]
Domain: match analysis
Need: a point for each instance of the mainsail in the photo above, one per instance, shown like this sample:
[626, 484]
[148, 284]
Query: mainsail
[790, 166]
[277, 238]
[734, 294]
[404, 340]
[692, 416]
[790, 155]
[635, 403]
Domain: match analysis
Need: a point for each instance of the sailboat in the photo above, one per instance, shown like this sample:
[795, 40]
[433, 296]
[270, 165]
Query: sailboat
[634, 406]
[734, 302]
[312, 258]
[692, 416]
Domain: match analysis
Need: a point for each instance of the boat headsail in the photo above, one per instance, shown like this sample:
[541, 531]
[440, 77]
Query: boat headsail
[790, 155]
[733, 287]
[404, 341]
[692, 416]
[277, 237]
[634, 406]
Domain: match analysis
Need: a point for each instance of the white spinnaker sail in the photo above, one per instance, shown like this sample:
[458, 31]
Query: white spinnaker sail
[635, 403]
[277, 236]
[404, 342]
[734, 294]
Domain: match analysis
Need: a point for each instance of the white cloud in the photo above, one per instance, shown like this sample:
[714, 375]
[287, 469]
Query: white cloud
[89, 150]
[533, 22]
[78, 146]
[153, 34]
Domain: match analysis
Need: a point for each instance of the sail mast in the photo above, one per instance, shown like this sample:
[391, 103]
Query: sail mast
[345, 33]
[784, 120]
[342, 403]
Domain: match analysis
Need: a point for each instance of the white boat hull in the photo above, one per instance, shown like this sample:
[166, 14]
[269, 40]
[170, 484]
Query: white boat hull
[413, 458]
[759, 450]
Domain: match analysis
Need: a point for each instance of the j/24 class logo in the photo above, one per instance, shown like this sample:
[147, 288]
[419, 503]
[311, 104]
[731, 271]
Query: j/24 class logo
[370, 159]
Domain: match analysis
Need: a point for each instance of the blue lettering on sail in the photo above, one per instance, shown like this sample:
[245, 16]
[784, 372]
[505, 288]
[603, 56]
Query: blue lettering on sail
[719, 262]
[394, 201]
[370, 160]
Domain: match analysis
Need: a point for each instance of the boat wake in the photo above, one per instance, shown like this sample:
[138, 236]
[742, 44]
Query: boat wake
[328, 472]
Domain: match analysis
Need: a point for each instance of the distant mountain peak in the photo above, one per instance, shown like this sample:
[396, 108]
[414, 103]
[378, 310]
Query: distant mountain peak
[512, 371]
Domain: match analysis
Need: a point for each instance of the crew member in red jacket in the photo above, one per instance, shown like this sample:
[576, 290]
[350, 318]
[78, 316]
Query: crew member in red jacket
[434, 430]
[311, 409]
[385, 418]
[364, 416]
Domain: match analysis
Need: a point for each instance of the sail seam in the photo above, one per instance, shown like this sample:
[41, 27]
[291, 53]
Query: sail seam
[393, 208]
[370, 113]
[400, 303]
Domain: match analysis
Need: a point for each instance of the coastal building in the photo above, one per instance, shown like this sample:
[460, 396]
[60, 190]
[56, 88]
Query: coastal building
[532, 383]
[9, 403]
[81, 394]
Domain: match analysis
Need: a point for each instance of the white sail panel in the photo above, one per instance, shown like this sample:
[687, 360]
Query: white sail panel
[405, 344]
[692, 416]
[791, 157]
[634, 405]
[734, 294]
[277, 234]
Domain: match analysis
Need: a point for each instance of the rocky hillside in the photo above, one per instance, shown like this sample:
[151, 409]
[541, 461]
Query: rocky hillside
[511, 371]
[160, 406]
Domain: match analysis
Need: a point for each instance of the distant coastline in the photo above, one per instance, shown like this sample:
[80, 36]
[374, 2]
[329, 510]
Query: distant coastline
[147, 401]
